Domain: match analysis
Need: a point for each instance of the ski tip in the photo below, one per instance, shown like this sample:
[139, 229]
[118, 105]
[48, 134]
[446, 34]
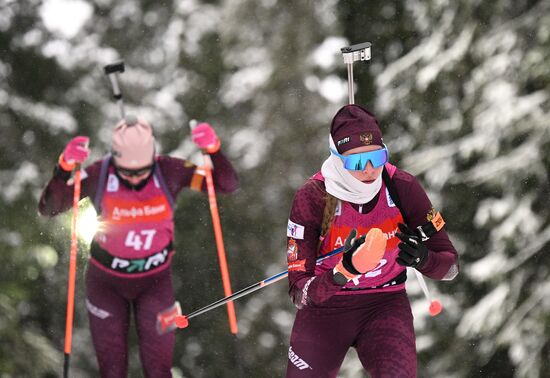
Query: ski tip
[181, 321]
[435, 307]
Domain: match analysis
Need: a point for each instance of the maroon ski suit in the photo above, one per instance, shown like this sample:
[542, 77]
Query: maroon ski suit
[371, 313]
[129, 268]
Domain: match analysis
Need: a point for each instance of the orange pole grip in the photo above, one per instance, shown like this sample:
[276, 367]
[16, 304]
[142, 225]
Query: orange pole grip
[219, 244]
[72, 266]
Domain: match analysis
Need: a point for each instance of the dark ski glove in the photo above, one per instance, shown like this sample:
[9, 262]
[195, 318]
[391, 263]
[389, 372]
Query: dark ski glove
[360, 255]
[412, 251]
[350, 246]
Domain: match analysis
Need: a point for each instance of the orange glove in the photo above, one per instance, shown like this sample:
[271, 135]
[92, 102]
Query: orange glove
[361, 255]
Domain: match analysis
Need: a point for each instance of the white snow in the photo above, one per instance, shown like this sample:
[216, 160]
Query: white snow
[327, 55]
[65, 17]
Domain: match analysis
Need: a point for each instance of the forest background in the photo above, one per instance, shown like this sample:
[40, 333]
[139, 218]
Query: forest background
[461, 89]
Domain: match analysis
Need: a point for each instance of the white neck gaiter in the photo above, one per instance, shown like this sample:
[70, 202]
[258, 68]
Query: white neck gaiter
[342, 185]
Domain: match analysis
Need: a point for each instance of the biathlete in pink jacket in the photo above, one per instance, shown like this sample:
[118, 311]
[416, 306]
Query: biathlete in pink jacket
[385, 222]
[134, 192]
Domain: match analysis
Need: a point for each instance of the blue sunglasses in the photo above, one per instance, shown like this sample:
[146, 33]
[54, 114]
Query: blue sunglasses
[358, 162]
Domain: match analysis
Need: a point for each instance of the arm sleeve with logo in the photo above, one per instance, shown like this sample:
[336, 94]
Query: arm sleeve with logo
[442, 261]
[180, 174]
[57, 196]
[306, 289]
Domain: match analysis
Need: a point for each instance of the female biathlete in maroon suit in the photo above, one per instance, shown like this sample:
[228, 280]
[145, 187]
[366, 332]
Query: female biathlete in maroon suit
[133, 191]
[358, 299]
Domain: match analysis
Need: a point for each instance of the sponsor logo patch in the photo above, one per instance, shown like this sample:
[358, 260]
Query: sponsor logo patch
[292, 251]
[297, 266]
[137, 212]
[297, 361]
[436, 219]
[294, 230]
[112, 183]
[389, 199]
[366, 139]
[343, 141]
[96, 311]
[139, 265]
[122, 211]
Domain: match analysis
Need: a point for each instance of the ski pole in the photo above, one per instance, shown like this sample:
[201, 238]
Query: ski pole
[352, 54]
[72, 275]
[362, 52]
[207, 163]
[112, 71]
[435, 305]
[182, 321]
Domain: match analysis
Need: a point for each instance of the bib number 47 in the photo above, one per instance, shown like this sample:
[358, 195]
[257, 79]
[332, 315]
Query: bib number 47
[141, 240]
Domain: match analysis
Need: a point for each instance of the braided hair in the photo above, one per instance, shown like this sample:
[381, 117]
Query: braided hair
[328, 215]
